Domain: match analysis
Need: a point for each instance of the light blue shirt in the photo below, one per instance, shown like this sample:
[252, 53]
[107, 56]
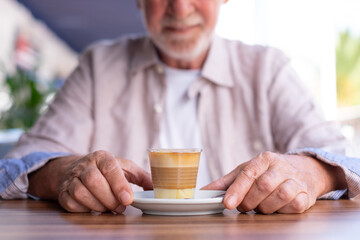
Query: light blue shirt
[12, 169]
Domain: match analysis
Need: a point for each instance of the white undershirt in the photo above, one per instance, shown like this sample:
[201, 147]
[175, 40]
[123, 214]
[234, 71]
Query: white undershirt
[179, 127]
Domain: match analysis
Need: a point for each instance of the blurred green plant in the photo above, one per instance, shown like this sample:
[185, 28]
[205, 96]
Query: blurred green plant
[348, 69]
[28, 96]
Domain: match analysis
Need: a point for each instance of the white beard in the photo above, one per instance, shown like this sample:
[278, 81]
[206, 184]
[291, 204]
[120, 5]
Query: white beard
[185, 51]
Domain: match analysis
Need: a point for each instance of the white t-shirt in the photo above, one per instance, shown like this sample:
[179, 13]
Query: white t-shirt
[179, 126]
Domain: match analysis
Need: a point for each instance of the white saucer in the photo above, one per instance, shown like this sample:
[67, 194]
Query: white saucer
[205, 202]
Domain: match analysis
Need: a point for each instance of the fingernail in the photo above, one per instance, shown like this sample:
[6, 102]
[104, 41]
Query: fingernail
[124, 197]
[231, 201]
[120, 209]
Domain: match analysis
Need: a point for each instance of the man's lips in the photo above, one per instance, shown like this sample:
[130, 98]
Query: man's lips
[180, 30]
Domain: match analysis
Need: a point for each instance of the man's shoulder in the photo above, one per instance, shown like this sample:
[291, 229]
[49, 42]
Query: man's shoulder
[249, 59]
[120, 46]
[255, 65]
[240, 49]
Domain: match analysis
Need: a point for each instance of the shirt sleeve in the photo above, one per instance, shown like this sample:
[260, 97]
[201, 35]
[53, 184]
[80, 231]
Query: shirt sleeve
[349, 165]
[297, 121]
[13, 173]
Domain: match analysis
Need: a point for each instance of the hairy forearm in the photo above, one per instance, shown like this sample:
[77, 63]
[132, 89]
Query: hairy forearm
[44, 182]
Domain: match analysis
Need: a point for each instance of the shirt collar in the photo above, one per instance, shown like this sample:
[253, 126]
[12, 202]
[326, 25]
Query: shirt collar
[144, 55]
[216, 69]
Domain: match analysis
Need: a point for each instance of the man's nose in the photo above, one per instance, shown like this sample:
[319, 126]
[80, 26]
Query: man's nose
[181, 8]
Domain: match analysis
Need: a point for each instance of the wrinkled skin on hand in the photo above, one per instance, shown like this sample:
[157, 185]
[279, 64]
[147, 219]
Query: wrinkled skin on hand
[281, 183]
[95, 182]
[100, 182]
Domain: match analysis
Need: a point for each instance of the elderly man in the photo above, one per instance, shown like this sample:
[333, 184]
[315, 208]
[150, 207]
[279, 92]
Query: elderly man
[182, 87]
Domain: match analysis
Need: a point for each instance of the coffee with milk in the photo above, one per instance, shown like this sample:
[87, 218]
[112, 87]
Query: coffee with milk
[174, 172]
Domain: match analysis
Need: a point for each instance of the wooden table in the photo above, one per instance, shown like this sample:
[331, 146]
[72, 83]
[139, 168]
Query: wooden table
[28, 219]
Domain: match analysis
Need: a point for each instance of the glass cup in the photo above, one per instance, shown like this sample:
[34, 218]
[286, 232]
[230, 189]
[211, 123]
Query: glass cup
[174, 172]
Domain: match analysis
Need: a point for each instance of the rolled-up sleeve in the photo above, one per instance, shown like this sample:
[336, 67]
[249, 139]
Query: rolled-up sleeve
[297, 122]
[14, 171]
[349, 165]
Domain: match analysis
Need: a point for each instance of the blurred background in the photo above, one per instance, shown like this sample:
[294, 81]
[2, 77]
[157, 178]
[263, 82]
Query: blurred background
[40, 41]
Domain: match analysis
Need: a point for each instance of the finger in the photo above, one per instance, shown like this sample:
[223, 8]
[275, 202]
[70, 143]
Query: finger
[98, 187]
[136, 174]
[243, 182]
[299, 205]
[111, 170]
[69, 204]
[224, 182]
[282, 196]
[261, 189]
[121, 208]
[82, 195]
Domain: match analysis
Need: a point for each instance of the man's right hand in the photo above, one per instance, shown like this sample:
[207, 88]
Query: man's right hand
[97, 181]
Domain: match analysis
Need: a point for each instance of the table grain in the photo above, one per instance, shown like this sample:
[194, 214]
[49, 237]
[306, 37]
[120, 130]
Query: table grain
[29, 219]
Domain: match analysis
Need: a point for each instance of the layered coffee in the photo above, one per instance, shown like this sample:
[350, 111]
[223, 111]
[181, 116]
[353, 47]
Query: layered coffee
[174, 172]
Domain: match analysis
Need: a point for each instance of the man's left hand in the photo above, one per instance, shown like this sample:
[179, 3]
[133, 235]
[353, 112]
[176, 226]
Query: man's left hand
[281, 183]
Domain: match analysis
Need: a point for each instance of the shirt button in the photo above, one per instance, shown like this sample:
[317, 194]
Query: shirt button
[257, 145]
[159, 69]
[158, 108]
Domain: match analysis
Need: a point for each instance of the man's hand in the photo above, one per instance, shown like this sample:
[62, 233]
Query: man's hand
[280, 183]
[97, 181]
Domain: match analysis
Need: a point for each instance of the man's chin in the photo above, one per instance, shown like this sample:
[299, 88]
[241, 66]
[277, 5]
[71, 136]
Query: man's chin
[183, 56]
[184, 51]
